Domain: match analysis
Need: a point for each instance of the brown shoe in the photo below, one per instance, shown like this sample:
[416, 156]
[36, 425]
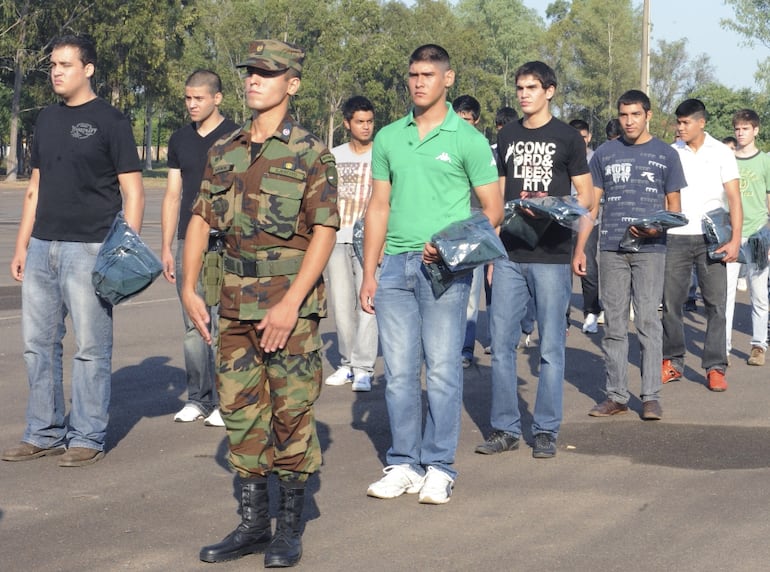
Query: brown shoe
[668, 372]
[80, 457]
[26, 452]
[651, 410]
[716, 380]
[607, 408]
[757, 356]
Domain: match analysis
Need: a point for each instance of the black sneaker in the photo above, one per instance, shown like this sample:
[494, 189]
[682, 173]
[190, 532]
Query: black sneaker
[545, 446]
[498, 442]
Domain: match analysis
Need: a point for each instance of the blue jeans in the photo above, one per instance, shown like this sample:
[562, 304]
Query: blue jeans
[472, 311]
[57, 282]
[199, 357]
[623, 276]
[413, 326]
[513, 286]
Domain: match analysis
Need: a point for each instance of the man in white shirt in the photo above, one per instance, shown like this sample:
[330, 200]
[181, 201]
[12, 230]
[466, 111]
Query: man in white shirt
[712, 182]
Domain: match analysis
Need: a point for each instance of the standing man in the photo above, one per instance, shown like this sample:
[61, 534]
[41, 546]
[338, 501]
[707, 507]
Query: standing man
[271, 188]
[538, 156]
[424, 166]
[187, 150]
[712, 182]
[589, 281]
[356, 329]
[637, 176]
[754, 168]
[85, 168]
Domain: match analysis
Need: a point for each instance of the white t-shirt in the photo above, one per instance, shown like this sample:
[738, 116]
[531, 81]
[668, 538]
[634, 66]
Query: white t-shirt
[354, 187]
[706, 172]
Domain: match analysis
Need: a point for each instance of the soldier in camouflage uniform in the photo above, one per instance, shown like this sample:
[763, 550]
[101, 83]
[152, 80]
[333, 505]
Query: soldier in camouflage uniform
[271, 187]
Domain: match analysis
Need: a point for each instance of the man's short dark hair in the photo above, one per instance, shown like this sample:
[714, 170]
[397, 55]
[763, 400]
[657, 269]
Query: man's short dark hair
[541, 71]
[505, 115]
[633, 96]
[691, 108]
[356, 103]
[467, 103]
[83, 44]
[746, 116]
[730, 140]
[580, 125]
[432, 53]
[205, 78]
[613, 130]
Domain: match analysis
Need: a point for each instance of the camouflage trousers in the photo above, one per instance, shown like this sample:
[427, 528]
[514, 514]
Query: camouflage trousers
[266, 400]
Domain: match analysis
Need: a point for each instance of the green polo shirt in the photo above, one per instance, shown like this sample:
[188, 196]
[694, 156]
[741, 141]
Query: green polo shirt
[431, 179]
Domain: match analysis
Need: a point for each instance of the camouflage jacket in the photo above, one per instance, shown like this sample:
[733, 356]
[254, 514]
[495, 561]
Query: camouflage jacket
[267, 208]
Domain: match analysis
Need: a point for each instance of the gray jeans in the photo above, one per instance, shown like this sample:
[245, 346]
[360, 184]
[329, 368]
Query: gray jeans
[623, 277]
[682, 252]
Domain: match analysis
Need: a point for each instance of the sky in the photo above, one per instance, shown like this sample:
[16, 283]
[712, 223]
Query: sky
[698, 22]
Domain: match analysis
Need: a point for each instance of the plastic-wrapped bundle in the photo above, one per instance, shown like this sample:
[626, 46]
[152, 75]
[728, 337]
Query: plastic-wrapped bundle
[463, 246]
[565, 211]
[758, 246]
[125, 265]
[718, 231]
[660, 221]
[358, 240]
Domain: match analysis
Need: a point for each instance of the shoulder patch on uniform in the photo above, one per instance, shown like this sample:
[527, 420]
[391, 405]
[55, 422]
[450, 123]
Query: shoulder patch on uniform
[327, 158]
[298, 175]
[222, 168]
[331, 175]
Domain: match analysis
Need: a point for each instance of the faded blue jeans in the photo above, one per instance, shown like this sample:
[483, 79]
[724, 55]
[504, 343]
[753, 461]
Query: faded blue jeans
[199, 357]
[414, 325]
[57, 283]
[513, 286]
[639, 276]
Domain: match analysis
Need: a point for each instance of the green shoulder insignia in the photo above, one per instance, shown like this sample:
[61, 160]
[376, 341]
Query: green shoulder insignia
[327, 158]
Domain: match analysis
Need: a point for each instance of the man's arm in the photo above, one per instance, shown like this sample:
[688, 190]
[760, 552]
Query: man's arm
[280, 320]
[375, 228]
[169, 218]
[733, 192]
[196, 241]
[674, 201]
[132, 189]
[587, 196]
[25, 227]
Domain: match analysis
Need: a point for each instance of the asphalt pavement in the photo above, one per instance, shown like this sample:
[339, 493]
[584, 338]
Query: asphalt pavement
[688, 493]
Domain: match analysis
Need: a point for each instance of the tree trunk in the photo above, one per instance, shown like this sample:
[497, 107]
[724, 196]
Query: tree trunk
[12, 163]
[148, 136]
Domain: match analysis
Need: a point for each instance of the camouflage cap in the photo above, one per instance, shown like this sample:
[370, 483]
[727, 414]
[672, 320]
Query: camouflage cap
[272, 55]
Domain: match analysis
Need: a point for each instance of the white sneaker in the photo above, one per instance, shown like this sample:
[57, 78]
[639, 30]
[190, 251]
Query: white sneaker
[437, 488]
[362, 381]
[398, 479]
[600, 319]
[188, 414]
[340, 377]
[590, 326]
[743, 285]
[215, 419]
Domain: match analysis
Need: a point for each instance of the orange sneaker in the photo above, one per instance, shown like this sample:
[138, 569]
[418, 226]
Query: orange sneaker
[716, 380]
[668, 372]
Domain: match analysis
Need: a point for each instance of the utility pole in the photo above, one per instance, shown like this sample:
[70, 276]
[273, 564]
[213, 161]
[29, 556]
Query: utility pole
[645, 79]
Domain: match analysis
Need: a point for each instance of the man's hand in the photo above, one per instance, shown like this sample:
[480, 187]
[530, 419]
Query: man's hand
[579, 263]
[17, 265]
[277, 325]
[645, 232]
[730, 250]
[366, 296]
[198, 312]
[169, 265]
[430, 254]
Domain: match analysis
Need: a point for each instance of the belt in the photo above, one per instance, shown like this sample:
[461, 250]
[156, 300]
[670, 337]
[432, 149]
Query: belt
[258, 268]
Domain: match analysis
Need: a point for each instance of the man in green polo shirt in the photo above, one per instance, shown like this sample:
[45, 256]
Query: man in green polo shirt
[423, 167]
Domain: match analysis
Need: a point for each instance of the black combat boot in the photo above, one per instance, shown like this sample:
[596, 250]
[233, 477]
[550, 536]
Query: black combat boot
[286, 547]
[253, 533]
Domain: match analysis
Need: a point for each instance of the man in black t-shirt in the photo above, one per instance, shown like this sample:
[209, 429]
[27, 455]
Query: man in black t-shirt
[187, 151]
[538, 156]
[83, 159]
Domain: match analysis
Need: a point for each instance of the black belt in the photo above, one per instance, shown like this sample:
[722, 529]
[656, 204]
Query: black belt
[259, 268]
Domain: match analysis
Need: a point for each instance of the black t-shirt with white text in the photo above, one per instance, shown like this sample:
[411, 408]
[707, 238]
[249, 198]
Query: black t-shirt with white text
[540, 160]
[187, 151]
[80, 151]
